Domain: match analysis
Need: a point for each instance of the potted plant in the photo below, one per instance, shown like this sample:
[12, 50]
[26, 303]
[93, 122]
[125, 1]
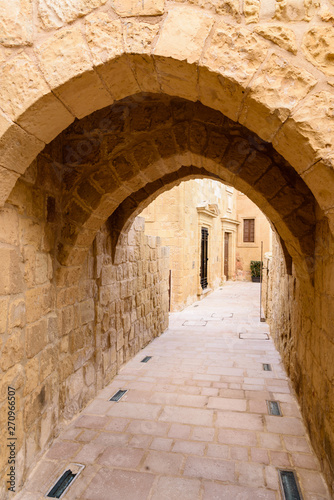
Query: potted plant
[255, 266]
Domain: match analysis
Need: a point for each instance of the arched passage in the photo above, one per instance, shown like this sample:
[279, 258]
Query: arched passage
[93, 64]
[152, 142]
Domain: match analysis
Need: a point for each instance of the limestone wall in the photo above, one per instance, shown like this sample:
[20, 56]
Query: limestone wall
[302, 327]
[60, 345]
[174, 217]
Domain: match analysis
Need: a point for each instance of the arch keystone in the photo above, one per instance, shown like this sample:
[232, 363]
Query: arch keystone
[272, 96]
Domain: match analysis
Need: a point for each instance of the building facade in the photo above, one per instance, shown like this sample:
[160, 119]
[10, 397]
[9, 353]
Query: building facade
[213, 232]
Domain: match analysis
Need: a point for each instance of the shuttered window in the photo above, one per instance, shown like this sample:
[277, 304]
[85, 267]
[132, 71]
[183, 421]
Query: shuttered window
[249, 225]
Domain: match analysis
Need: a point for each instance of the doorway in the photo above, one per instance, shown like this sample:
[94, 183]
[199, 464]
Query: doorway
[226, 254]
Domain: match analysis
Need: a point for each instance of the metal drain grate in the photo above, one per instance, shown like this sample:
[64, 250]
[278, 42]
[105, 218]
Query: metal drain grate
[274, 408]
[64, 482]
[146, 359]
[266, 367]
[119, 394]
[289, 485]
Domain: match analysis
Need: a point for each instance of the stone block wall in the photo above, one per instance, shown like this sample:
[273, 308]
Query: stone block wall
[301, 324]
[61, 343]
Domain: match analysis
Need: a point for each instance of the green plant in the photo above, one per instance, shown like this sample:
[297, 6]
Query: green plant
[255, 266]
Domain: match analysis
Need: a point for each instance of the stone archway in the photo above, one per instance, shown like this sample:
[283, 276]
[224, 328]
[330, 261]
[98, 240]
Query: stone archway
[191, 54]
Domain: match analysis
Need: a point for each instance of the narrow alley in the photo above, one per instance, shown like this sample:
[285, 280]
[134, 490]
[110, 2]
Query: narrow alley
[194, 421]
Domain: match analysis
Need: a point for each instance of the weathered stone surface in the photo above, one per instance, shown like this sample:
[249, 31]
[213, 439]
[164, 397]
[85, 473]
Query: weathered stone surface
[300, 140]
[14, 377]
[12, 351]
[11, 280]
[119, 78]
[64, 56]
[46, 118]
[282, 36]
[295, 10]
[320, 178]
[8, 180]
[3, 314]
[9, 224]
[183, 34]
[318, 47]
[251, 11]
[36, 338]
[66, 64]
[21, 84]
[17, 314]
[17, 150]
[67, 11]
[177, 77]
[16, 22]
[104, 37]
[138, 36]
[273, 94]
[128, 8]
[235, 53]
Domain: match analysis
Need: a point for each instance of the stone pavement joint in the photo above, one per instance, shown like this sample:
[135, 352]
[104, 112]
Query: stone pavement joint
[194, 424]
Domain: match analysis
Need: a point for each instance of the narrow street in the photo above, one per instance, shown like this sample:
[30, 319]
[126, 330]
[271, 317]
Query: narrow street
[194, 423]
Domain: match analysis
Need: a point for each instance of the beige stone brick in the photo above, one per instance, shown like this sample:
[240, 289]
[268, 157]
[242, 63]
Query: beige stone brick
[3, 314]
[17, 150]
[282, 36]
[9, 226]
[11, 279]
[36, 338]
[67, 11]
[12, 351]
[21, 85]
[128, 8]
[48, 361]
[67, 67]
[16, 23]
[273, 94]
[251, 11]
[119, 79]
[14, 377]
[235, 53]
[300, 140]
[105, 37]
[31, 376]
[139, 36]
[39, 301]
[318, 47]
[46, 118]
[17, 314]
[8, 180]
[183, 34]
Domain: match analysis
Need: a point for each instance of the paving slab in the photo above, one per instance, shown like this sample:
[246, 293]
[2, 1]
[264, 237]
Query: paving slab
[194, 424]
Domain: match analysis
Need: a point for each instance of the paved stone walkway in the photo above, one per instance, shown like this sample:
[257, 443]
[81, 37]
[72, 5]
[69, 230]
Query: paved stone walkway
[194, 423]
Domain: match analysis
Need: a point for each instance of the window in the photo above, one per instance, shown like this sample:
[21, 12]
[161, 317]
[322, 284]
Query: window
[249, 230]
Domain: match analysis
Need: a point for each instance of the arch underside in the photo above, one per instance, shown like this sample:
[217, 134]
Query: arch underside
[116, 161]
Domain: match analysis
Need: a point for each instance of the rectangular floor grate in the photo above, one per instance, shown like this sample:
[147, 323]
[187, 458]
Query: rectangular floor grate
[266, 367]
[274, 408]
[289, 485]
[146, 359]
[64, 482]
[119, 394]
